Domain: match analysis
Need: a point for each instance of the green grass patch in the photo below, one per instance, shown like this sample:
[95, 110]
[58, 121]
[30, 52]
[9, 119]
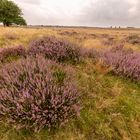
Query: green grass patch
[111, 110]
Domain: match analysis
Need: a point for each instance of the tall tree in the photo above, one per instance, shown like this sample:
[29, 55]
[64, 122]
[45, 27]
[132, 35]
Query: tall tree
[10, 13]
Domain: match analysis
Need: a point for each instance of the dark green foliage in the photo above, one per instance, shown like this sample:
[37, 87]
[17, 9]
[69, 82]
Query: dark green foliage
[20, 21]
[10, 13]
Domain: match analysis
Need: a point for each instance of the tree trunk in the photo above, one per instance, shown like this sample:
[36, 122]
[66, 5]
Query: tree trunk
[6, 24]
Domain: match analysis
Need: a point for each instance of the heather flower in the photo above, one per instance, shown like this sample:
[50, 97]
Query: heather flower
[7, 54]
[123, 62]
[90, 53]
[55, 49]
[36, 94]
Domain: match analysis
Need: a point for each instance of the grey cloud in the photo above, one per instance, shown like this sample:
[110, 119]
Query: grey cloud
[110, 12]
[94, 13]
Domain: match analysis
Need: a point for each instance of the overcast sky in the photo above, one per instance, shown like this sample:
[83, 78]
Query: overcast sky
[81, 12]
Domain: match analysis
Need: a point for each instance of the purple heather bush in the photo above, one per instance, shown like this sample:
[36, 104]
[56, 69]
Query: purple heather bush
[56, 49]
[7, 54]
[125, 62]
[92, 53]
[36, 94]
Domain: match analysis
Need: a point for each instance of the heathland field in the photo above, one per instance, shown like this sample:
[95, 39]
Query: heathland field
[69, 84]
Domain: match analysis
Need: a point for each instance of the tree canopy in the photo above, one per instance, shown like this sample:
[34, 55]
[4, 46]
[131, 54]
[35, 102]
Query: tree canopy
[10, 13]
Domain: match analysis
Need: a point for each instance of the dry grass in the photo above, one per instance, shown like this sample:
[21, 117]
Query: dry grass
[111, 104]
[86, 37]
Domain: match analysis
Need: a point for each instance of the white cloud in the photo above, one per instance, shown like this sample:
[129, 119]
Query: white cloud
[29, 1]
[81, 12]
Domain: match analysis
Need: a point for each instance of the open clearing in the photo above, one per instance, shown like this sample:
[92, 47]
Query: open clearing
[110, 102]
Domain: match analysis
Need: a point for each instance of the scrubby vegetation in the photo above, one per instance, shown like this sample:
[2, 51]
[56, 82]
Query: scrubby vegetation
[8, 54]
[59, 89]
[123, 62]
[35, 93]
[133, 39]
[56, 49]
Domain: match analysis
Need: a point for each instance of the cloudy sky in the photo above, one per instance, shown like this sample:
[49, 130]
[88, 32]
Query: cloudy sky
[81, 12]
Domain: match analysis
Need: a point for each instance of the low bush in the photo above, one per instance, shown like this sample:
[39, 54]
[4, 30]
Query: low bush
[109, 41]
[36, 94]
[55, 49]
[8, 54]
[123, 61]
[92, 53]
[133, 39]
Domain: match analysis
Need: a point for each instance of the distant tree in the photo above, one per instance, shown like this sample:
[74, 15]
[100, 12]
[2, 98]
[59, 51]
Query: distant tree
[10, 13]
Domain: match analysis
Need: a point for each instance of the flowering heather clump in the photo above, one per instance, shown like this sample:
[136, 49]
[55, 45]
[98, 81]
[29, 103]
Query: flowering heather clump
[7, 54]
[124, 62]
[90, 53]
[56, 49]
[35, 93]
